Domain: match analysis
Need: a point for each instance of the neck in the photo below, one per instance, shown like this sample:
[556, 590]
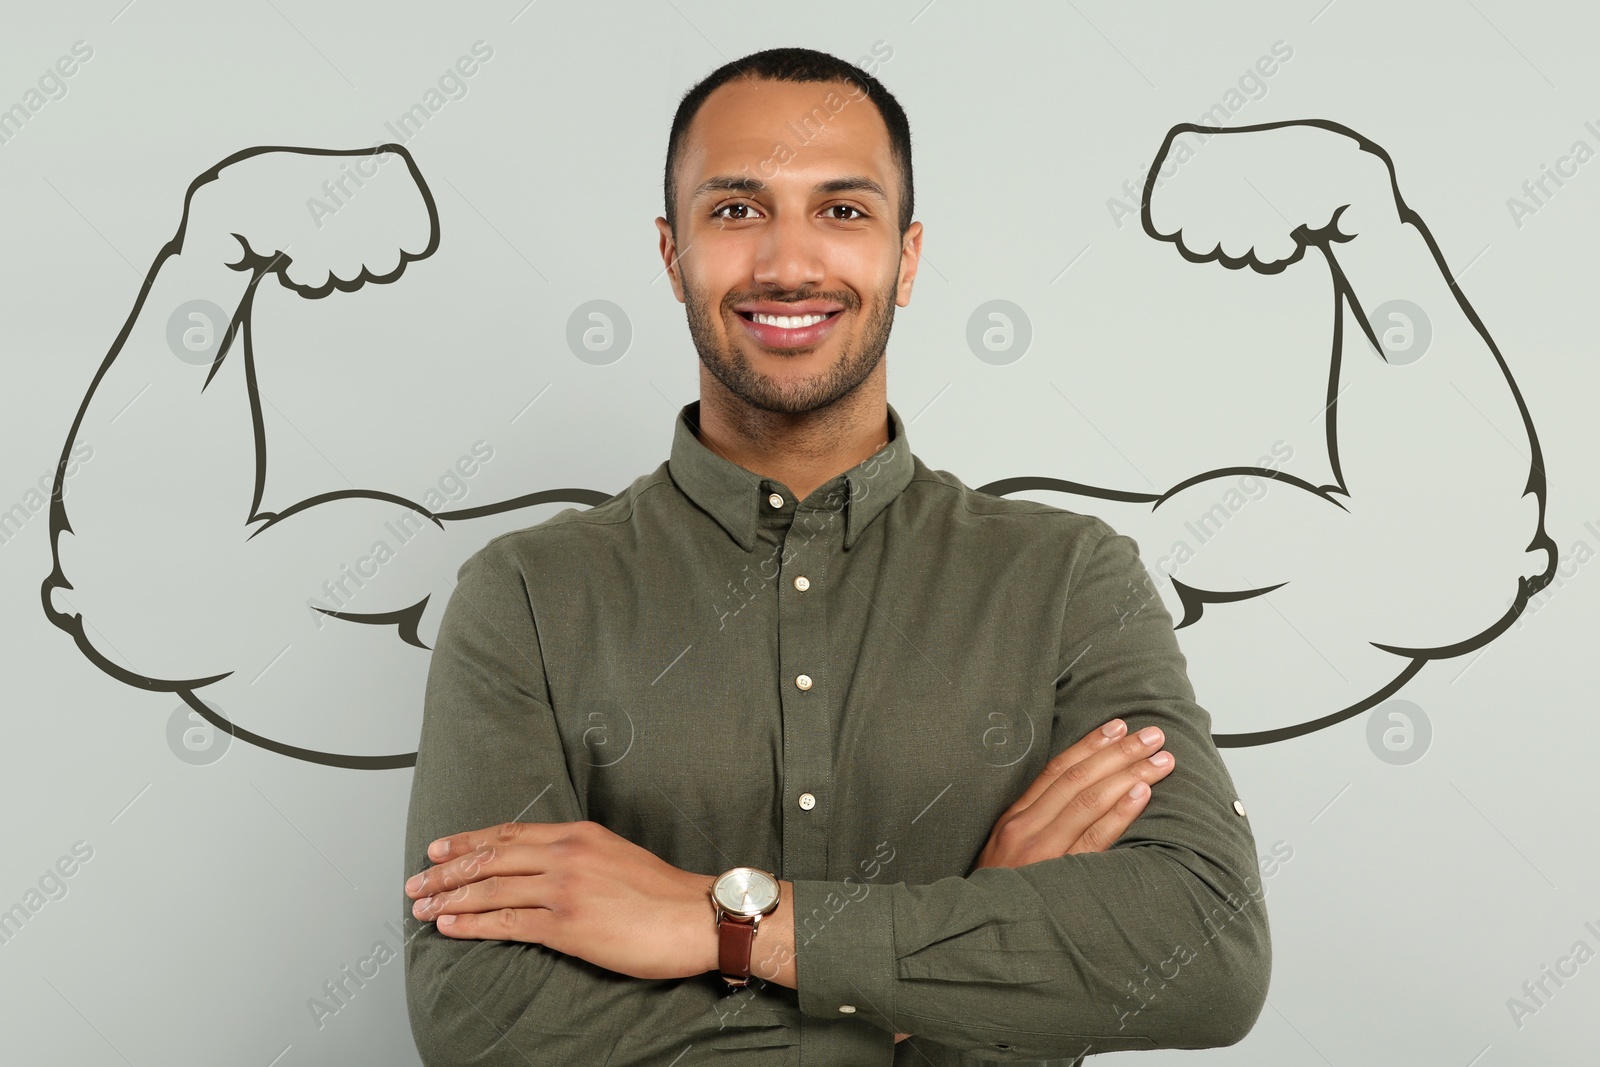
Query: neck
[801, 451]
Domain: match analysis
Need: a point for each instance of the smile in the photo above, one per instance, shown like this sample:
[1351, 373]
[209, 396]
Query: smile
[788, 331]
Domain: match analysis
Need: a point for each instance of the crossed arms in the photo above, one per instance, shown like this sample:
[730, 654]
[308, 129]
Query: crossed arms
[567, 938]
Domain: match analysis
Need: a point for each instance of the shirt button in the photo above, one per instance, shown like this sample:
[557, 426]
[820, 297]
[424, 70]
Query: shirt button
[801, 582]
[1238, 806]
[776, 500]
[803, 681]
[807, 801]
[847, 1008]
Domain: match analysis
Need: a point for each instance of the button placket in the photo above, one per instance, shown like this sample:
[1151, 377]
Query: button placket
[814, 536]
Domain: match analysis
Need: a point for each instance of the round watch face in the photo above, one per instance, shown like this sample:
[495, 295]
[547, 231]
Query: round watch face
[745, 891]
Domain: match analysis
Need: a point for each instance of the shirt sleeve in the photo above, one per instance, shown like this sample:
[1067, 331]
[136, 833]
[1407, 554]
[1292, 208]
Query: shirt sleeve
[1159, 942]
[490, 752]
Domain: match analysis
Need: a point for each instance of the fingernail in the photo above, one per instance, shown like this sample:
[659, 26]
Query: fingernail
[446, 920]
[437, 849]
[1138, 792]
[1150, 735]
[1115, 728]
[1161, 759]
[413, 883]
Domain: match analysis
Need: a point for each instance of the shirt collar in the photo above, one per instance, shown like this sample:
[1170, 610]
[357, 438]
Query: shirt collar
[734, 496]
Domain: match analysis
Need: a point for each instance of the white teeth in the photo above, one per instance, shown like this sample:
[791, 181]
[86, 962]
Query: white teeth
[788, 322]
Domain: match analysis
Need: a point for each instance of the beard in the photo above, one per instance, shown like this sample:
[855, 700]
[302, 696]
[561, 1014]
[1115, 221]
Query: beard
[728, 363]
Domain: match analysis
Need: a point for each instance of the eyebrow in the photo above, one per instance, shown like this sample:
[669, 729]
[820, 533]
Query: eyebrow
[737, 183]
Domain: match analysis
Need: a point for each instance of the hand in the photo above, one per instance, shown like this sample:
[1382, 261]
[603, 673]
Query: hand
[575, 887]
[1083, 801]
[319, 220]
[1257, 197]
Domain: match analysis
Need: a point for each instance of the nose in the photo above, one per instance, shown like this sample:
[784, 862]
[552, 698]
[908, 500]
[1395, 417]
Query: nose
[790, 255]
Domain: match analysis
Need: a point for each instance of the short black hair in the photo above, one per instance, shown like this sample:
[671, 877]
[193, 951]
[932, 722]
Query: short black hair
[795, 65]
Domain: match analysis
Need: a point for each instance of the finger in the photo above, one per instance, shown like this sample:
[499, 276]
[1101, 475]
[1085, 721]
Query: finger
[1105, 831]
[505, 924]
[506, 833]
[486, 862]
[1091, 742]
[1100, 814]
[1109, 828]
[1064, 781]
[488, 894]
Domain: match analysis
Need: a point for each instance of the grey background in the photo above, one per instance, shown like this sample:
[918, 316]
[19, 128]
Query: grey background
[220, 898]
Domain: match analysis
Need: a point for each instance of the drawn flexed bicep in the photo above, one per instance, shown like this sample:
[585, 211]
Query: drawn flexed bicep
[1428, 538]
[165, 542]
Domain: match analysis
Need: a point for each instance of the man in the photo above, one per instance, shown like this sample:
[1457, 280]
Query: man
[795, 649]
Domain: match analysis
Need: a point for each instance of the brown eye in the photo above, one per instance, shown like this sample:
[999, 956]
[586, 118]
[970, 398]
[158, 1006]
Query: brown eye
[846, 207]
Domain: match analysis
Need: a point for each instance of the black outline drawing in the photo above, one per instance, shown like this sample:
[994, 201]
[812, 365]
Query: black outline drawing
[405, 620]
[1195, 599]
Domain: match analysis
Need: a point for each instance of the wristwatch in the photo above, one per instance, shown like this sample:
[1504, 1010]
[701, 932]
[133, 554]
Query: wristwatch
[741, 897]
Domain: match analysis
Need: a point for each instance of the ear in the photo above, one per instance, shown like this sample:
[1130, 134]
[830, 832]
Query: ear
[669, 256]
[910, 256]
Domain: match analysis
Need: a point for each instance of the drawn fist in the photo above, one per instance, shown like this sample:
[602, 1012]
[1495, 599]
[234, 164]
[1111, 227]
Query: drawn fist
[320, 220]
[1257, 195]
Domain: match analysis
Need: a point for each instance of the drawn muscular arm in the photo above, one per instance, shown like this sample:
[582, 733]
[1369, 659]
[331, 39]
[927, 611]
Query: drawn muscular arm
[1429, 537]
[1428, 438]
[1437, 442]
[171, 515]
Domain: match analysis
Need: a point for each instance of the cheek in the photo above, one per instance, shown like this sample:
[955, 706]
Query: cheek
[707, 288]
[882, 273]
[694, 293]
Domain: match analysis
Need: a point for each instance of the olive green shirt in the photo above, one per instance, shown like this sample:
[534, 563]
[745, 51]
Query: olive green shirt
[846, 691]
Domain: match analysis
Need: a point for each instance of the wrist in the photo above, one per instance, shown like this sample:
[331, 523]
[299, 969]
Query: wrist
[772, 942]
[772, 959]
[705, 940]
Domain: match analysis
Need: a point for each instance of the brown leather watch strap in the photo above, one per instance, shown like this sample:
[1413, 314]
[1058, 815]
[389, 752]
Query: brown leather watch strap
[735, 936]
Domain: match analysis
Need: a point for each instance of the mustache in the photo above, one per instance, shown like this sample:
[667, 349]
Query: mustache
[849, 300]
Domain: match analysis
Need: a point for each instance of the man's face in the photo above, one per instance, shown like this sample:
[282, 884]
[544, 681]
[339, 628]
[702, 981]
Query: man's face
[787, 252]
